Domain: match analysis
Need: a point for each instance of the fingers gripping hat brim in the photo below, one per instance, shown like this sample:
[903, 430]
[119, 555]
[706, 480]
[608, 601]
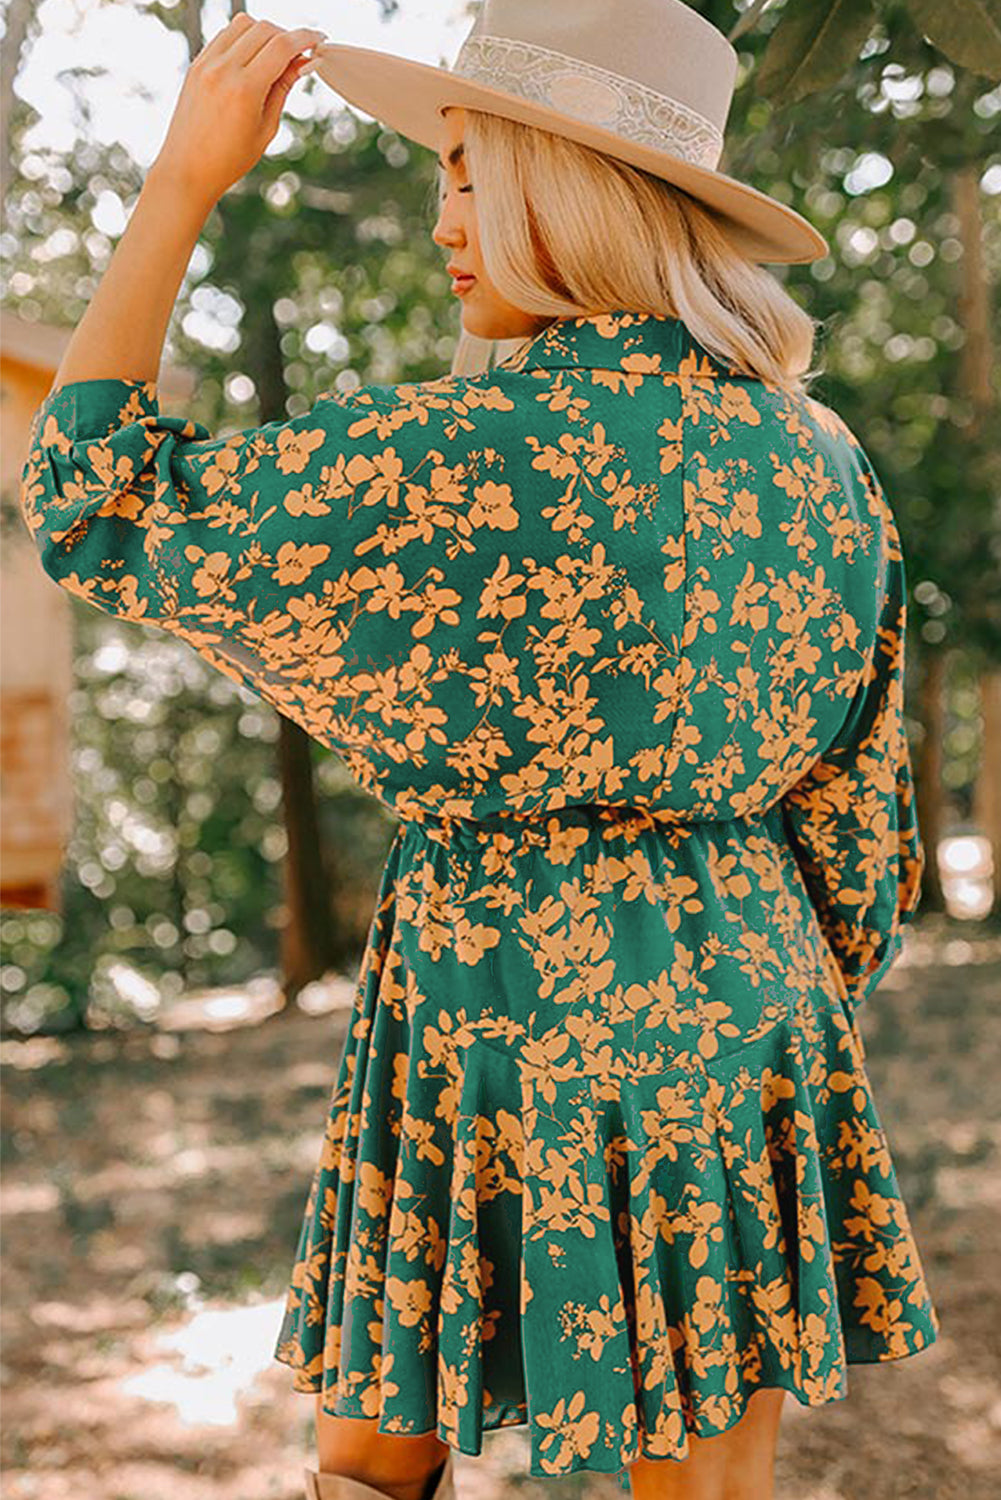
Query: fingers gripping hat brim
[410, 96]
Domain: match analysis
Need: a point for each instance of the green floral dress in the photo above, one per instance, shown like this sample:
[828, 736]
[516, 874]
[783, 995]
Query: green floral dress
[617, 634]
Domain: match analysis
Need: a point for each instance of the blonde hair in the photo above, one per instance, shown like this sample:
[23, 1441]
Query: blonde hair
[567, 231]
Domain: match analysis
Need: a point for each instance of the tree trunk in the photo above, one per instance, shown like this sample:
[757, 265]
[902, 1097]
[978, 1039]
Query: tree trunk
[928, 774]
[977, 387]
[987, 792]
[973, 309]
[191, 25]
[308, 938]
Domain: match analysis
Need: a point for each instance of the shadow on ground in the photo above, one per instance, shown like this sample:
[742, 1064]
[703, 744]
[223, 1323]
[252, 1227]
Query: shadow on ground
[153, 1186]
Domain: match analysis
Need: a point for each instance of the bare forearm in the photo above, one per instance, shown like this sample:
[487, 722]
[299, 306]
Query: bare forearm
[121, 334]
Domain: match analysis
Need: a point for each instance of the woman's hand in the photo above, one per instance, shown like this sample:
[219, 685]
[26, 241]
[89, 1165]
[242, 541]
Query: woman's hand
[230, 104]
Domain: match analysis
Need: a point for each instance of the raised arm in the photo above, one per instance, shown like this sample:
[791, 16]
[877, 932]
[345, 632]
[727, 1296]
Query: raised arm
[227, 114]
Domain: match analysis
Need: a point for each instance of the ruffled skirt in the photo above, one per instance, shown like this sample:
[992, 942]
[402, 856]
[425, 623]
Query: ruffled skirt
[601, 1155]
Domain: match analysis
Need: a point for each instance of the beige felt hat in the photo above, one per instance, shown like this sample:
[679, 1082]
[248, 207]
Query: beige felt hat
[647, 81]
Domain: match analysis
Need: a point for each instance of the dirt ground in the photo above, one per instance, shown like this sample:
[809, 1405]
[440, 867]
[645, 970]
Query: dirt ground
[152, 1188]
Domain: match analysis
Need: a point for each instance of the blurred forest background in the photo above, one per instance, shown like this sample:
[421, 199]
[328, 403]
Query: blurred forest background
[217, 852]
[212, 841]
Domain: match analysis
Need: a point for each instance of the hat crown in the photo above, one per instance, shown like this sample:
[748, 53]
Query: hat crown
[653, 71]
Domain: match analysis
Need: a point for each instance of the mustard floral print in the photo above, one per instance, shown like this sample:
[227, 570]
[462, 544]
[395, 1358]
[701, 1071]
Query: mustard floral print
[617, 635]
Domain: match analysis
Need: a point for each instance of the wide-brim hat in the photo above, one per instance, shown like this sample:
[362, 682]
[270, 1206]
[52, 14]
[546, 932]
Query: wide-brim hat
[646, 81]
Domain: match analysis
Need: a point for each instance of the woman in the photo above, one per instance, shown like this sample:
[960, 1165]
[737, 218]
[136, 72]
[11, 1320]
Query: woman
[615, 628]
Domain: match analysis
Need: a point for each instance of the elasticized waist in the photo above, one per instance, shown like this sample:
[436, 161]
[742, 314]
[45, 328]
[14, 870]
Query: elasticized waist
[610, 820]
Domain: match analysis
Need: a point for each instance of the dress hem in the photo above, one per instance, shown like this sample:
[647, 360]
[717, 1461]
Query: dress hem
[856, 1353]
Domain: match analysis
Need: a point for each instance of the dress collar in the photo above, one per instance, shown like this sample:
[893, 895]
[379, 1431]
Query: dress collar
[637, 343]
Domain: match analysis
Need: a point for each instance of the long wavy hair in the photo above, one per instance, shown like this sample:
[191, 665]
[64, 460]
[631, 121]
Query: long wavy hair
[566, 231]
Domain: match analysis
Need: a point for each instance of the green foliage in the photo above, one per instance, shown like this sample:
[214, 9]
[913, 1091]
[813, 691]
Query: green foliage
[815, 43]
[967, 31]
[170, 879]
[812, 47]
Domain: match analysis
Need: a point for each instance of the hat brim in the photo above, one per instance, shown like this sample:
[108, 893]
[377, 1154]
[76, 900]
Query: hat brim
[409, 97]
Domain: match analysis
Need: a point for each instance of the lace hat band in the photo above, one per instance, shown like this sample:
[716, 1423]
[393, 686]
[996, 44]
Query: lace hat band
[648, 82]
[592, 94]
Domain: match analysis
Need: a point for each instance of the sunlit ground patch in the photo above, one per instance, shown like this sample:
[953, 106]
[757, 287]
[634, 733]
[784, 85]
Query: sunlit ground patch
[212, 1361]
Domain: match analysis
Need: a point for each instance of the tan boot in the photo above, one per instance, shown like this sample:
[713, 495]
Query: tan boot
[323, 1486]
